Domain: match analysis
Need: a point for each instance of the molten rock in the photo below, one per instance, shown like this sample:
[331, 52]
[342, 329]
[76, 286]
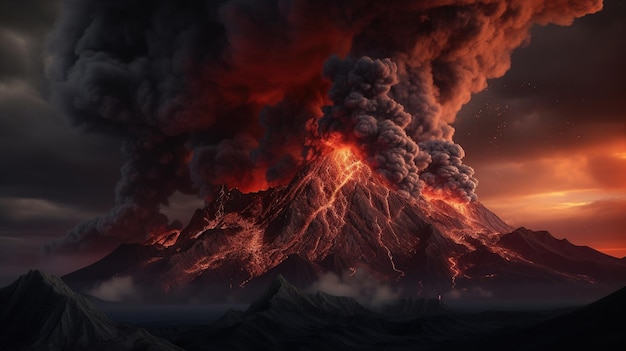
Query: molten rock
[339, 217]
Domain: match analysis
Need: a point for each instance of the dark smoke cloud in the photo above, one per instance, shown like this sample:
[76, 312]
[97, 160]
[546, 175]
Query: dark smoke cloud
[446, 175]
[365, 115]
[154, 170]
[228, 162]
[208, 92]
[438, 55]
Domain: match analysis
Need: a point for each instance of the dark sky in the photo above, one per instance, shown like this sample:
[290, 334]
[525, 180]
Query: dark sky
[547, 141]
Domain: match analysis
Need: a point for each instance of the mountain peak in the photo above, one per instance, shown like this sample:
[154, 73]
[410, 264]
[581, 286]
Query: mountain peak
[36, 278]
[282, 282]
[39, 312]
[280, 289]
[282, 296]
[38, 284]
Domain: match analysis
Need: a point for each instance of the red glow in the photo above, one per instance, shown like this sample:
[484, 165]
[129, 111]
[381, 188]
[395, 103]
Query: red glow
[251, 182]
[432, 194]
[346, 157]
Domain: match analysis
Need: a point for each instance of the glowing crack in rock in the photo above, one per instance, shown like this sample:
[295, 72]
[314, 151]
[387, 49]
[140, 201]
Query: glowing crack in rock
[456, 272]
[349, 165]
[389, 254]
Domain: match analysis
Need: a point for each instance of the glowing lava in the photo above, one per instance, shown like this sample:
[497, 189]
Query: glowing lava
[343, 166]
[456, 272]
[348, 165]
[338, 216]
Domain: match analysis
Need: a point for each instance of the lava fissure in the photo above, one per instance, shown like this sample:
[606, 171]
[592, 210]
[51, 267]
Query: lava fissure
[389, 254]
[456, 272]
[348, 166]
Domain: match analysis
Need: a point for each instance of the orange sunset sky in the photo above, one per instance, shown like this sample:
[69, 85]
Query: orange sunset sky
[548, 140]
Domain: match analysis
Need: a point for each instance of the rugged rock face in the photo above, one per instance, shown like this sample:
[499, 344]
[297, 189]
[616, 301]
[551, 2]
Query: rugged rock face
[40, 312]
[337, 216]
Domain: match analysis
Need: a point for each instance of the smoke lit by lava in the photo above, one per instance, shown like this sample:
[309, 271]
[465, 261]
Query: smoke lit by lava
[248, 94]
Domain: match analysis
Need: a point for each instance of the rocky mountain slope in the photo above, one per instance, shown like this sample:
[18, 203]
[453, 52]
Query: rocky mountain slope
[337, 217]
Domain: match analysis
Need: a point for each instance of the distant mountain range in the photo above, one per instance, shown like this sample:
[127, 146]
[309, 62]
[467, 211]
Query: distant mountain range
[40, 312]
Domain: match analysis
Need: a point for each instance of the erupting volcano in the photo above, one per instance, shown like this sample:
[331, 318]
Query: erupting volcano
[318, 133]
[305, 159]
[339, 217]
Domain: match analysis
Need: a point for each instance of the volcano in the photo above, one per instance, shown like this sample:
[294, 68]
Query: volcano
[338, 217]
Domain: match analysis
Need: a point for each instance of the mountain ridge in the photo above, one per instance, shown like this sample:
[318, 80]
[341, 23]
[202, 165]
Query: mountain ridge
[40, 312]
[285, 317]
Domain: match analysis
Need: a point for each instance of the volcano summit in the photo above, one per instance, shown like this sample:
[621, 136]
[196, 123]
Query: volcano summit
[338, 217]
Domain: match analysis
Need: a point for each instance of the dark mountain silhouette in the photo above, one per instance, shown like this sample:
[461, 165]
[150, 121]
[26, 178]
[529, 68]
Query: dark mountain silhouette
[285, 318]
[597, 326]
[39, 312]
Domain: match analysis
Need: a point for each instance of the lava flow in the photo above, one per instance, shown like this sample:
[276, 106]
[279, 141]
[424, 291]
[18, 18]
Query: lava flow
[346, 167]
[338, 216]
[335, 215]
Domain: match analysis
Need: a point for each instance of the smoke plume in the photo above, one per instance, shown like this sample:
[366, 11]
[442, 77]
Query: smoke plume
[363, 114]
[235, 91]
[446, 176]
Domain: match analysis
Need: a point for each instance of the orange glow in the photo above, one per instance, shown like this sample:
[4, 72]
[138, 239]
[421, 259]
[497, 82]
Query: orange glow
[620, 155]
[346, 162]
[252, 182]
[432, 194]
[613, 251]
[461, 207]
[344, 156]
[166, 239]
[579, 195]
[454, 269]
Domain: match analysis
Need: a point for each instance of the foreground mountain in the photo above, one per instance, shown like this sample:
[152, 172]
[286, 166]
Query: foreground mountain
[597, 326]
[39, 312]
[285, 318]
[337, 217]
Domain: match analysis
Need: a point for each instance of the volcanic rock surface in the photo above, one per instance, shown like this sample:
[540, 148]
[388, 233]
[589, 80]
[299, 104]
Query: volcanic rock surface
[338, 217]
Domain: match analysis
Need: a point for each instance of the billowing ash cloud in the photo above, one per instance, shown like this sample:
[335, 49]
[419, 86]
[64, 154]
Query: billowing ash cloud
[363, 114]
[210, 92]
[446, 175]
